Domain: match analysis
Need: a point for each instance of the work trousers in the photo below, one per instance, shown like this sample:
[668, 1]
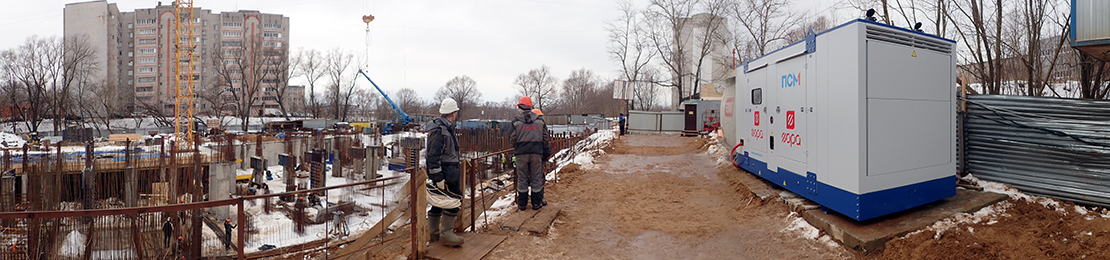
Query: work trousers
[529, 172]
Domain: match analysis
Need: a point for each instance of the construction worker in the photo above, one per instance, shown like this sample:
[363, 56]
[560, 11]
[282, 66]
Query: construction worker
[620, 123]
[444, 192]
[167, 232]
[530, 146]
[227, 230]
[180, 248]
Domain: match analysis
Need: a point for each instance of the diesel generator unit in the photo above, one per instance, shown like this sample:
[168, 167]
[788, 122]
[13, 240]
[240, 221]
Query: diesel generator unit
[859, 118]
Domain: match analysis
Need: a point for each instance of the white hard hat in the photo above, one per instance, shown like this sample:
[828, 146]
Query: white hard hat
[447, 106]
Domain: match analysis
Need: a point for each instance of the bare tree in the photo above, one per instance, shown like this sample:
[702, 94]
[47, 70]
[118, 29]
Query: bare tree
[244, 71]
[336, 65]
[629, 43]
[578, 90]
[465, 92]
[42, 72]
[366, 103]
[981, 34]
[685, 33]
[288, 68]
[409, 101]
[539, 85]
[763, 26]
[313, 68]
[645, 93]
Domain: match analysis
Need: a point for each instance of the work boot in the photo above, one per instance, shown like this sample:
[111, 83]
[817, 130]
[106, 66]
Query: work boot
[522, 201]
[433, 228]
[447, 231]
[537, 200]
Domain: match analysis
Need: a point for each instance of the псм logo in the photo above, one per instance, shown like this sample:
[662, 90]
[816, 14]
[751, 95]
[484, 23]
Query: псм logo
[790, 80]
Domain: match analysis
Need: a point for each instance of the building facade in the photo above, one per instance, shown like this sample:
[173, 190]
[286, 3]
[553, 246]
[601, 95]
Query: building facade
[239, 58]
[701, 35]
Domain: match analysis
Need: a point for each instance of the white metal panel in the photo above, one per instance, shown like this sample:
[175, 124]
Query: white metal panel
[1092, 20]
[904, 72]
[756, 117]
[672, 121]
[790, 102]
[843, 111]
[642, 121]
[907, 134]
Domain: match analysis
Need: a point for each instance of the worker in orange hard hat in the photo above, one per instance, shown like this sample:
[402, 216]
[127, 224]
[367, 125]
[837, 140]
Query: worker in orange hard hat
[531, 149]
[227, 230]
[537, 112]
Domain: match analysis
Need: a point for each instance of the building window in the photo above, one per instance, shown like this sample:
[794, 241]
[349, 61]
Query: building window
[129, 73]
[148, 31]
[129, 26]
[147, 41]
[146, 60]
[130, 54]
[148, 51]
[233, 24]
[233, 43]
[146, 79]
[144, 89]
[271, 44]
[146, 70]
[271, 35]
[233, 34]
[272, 26]
[146, 21]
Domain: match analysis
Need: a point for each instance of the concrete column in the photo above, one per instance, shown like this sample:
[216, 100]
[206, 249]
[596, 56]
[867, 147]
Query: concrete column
[221, 179]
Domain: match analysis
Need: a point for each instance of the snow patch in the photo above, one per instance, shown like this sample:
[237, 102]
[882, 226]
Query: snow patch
[74, 245]
[584, 152]
[8, 140]
[799, 226]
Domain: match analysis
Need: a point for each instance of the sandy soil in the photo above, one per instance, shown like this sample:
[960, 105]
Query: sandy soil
[661, 197]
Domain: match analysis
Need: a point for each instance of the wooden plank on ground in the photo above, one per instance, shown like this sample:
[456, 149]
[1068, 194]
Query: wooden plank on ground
[542, 220]
[515, 220]
[463, 220]
[475, 246]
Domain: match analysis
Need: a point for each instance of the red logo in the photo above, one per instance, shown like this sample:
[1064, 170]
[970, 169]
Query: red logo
[728, 107]
[756, 118]
[789, 119]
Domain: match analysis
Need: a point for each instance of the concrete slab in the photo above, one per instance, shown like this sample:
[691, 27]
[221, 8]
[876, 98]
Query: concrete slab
[874, 233]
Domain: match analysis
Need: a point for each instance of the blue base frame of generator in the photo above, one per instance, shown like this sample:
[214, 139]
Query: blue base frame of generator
[856, 206]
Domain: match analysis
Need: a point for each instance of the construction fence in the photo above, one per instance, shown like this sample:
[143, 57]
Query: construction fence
[114, 201]
[1045, 146]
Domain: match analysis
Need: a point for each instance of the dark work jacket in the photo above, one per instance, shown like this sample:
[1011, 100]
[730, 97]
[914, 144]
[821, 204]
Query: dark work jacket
[530, 135]
[443, 145]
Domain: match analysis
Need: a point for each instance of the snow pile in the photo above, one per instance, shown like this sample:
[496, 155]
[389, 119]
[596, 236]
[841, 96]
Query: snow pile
[74, 245]
[583, 152]
[8, 140]
[715, 150]
[801, 227]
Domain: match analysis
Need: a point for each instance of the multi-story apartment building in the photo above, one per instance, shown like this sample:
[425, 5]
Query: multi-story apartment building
[239, 56]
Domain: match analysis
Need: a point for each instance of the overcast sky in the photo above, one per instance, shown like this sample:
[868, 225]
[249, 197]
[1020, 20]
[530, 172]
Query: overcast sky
[420, 44]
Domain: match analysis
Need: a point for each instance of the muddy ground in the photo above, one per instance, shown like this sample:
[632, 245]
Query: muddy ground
[665, 197]
[661, 197]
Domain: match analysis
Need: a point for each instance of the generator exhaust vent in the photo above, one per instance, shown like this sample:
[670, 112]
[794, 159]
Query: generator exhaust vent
[906, 39]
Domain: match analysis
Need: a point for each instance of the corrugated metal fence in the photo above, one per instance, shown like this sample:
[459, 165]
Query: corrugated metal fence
[1044, 146]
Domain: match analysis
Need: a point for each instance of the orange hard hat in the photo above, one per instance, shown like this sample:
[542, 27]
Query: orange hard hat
[229, 220]
[537, 112]
[525, 100]
[180, 238]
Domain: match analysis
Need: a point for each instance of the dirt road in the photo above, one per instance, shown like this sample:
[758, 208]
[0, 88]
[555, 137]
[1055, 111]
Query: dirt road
[662, 197]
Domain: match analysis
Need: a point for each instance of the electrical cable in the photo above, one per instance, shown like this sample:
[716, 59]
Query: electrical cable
[1013, 123]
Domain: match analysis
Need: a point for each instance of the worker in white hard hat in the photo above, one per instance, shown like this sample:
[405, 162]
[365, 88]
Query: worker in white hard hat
[442, 161]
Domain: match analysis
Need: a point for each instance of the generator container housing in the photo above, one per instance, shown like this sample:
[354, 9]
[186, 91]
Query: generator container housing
[859, 118]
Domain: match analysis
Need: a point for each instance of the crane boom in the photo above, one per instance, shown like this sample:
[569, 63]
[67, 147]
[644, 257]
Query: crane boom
[402, 117]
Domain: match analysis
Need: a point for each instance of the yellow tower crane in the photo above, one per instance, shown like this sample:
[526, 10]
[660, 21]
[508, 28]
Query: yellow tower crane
[184, 47]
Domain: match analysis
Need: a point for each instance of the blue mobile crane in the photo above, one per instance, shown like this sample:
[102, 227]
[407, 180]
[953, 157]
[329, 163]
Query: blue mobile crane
[403, 119]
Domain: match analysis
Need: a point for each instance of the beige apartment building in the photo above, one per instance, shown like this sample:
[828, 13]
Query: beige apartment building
[238, 56]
